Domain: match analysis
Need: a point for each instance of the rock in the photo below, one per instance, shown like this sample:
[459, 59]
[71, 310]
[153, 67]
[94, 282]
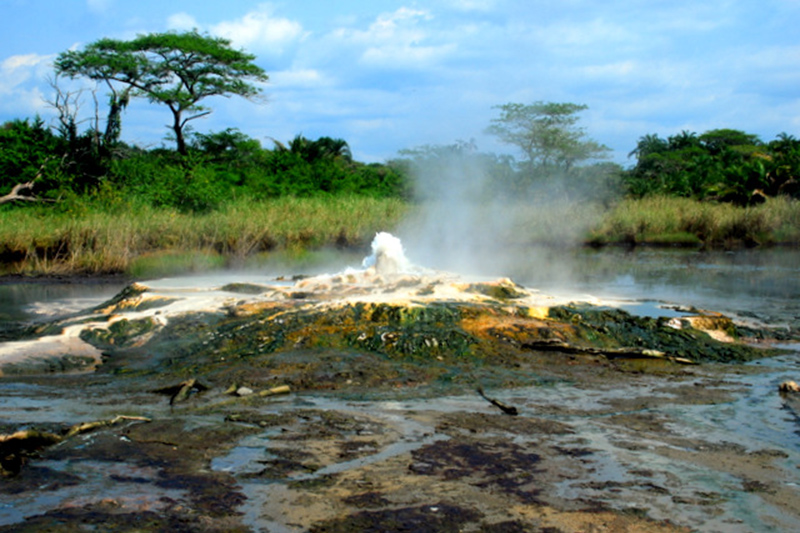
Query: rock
[244, 391]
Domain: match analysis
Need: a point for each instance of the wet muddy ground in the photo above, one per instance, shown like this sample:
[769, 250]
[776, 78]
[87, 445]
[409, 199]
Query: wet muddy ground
[278, 415]
[595, 447]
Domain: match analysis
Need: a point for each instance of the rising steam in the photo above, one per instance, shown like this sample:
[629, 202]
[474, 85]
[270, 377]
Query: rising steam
[472, 222]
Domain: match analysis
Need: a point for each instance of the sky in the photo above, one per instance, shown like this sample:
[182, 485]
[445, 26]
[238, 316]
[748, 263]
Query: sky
[390, 75]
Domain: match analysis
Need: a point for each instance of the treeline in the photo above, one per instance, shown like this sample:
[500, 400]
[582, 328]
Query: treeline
[57, 164]
[217, 167]
[724, 165]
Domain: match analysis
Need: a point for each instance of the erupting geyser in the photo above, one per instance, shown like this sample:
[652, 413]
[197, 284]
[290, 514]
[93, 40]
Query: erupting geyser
[388, 256]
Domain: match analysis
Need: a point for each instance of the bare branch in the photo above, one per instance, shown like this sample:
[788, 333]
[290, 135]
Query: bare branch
[68, 104]
[187, 119]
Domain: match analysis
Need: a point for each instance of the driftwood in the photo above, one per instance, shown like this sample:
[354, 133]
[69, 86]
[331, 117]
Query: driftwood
[789, 386]
[507, 409]
[85, 427]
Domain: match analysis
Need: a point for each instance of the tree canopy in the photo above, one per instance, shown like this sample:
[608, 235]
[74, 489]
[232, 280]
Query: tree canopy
[547, 134]
[178, 70]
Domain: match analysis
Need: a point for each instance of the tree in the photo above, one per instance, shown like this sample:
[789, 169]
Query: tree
[178, 70]
[715, 141]
[230, 146]
[547, 134]
[323, 148]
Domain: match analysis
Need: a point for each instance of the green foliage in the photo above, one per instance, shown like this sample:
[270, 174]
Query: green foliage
[723, 165]
[220, 167]
[29, 152]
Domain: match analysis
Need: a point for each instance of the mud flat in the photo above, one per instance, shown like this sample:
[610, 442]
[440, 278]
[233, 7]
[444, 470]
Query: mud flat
[349, 403]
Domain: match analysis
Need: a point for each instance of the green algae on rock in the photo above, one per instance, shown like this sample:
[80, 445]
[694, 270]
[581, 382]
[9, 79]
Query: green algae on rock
[428, 327]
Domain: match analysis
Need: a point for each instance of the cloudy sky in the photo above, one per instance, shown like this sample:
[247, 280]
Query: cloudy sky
[386, 75]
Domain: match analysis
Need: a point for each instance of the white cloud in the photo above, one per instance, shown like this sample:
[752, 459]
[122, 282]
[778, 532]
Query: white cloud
[396, 39]
[590, 36]
[182, 22]
[21, 77]
[615, 70]
[471, 5]
[301, 78]
[776, 59]
[260, 31]
[404, 55]
[20, 68]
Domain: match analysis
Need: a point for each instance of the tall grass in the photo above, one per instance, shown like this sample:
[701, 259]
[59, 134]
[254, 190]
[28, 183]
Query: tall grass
[84, 240]
[142, 240]
[670, 220]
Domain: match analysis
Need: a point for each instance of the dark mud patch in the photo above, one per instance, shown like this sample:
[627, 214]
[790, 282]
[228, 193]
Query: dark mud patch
[39, 479]
[366, 500]
[493, 465]
[440, 517]
[285, 463]
[111, 515]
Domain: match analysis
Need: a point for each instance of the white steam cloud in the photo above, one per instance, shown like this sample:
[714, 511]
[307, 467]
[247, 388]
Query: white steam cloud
[471, 218]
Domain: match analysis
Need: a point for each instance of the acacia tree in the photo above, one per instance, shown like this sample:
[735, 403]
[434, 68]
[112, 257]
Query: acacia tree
[547, 134]
[178, 70]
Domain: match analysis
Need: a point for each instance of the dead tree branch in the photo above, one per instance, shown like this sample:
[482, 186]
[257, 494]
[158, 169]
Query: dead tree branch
[17, 194]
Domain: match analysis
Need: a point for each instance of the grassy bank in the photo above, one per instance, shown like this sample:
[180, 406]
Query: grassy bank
[137, 241]
[666, 220]
[145, 241]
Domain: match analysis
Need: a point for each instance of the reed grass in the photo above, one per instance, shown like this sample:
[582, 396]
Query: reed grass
[681, 221]
[129, 240]
[145, 241]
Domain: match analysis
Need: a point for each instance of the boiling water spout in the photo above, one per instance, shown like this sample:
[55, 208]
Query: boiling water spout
[387, 256]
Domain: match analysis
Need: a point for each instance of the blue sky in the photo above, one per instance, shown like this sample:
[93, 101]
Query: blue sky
[387, 75]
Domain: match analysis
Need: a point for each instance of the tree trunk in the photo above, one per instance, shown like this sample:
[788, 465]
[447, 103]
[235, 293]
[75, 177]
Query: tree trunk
[177, 127]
